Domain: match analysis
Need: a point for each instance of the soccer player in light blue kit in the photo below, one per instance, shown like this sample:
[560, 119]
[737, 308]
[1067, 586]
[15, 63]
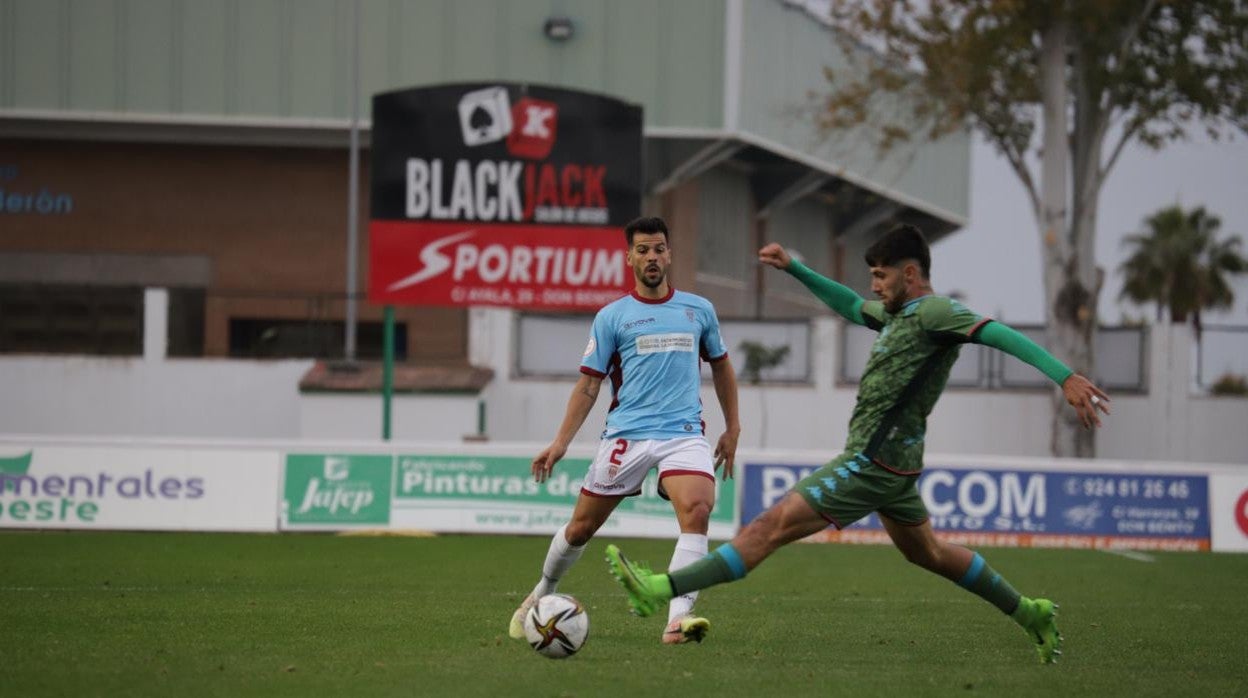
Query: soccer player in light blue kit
[651, 343]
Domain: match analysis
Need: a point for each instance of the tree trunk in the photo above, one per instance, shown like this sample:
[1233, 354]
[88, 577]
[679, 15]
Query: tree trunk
[1067, 314]
[1072, 328]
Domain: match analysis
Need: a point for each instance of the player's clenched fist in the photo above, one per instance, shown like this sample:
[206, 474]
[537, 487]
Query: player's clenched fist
[775, 255]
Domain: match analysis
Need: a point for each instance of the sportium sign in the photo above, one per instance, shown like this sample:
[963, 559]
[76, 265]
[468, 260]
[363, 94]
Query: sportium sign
[336, 490]
[501, 194]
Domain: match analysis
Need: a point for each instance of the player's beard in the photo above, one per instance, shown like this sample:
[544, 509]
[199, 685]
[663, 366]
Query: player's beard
[645, 280]
[896, 300]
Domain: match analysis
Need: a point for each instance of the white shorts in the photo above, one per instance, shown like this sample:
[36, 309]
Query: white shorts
[622, 465]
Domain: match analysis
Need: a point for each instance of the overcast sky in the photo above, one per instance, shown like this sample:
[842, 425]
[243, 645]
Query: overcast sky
[995, 260]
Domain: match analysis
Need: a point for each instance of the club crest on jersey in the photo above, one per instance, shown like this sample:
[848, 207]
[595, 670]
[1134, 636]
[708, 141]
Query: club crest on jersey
[690, 314]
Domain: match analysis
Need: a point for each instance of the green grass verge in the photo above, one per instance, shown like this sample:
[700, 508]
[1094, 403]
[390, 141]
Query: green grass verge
[311, 615]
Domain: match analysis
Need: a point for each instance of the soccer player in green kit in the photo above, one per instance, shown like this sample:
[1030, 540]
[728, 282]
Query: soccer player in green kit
[919, 337]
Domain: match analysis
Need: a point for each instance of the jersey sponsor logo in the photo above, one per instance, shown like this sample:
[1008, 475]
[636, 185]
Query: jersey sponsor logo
[660, 343]
[635, 323]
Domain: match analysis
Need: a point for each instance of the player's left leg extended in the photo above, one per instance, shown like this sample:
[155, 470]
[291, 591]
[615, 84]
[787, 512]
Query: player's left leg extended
[789, 519]
[969, 570]
[693, 498]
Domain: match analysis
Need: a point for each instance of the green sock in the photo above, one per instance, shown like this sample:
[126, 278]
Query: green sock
[723, 564]
[980, 579]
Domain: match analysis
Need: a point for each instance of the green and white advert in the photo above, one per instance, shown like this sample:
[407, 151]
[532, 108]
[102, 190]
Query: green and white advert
[497, 494]
[327, 491]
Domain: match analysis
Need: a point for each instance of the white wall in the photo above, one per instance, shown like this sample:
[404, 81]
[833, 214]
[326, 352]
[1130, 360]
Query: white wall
[1168, 423]
[142, 397]
[412, 417]
[260, 399]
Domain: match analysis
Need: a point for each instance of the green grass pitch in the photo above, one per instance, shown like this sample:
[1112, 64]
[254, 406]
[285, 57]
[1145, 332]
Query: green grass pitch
[189, 614]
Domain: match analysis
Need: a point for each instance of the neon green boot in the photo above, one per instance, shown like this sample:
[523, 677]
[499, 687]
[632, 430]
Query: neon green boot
[646, 591]
[1039, 620]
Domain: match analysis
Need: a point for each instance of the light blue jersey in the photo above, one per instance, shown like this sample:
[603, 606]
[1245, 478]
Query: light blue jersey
[653, 350]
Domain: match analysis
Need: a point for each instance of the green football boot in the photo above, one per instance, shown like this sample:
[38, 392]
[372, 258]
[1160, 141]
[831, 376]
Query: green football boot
[646, 591]
[1042, 627]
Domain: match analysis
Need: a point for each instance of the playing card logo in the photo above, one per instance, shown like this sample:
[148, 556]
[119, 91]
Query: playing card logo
[485, 116]
[529, 127]
[538, 122]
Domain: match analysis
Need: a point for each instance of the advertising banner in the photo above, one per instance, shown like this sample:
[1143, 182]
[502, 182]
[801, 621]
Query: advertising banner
[123, 488]
[1229, 509]
[502, 194]
[1029, 507]
[337, 491]
[465, 494]
[486, 494]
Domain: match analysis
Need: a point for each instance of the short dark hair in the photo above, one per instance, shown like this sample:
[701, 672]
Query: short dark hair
[645, 224]
[901, 243]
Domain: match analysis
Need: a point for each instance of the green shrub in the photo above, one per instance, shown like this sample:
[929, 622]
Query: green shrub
[1230, 384]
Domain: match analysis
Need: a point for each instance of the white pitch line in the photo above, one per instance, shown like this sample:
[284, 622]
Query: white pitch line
[1130, 554]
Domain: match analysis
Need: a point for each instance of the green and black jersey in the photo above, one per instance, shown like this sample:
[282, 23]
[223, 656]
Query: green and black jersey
[909, 365]
[908, 368]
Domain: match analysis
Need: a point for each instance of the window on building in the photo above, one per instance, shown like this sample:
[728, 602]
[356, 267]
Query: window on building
[71, 319]
[186, 322]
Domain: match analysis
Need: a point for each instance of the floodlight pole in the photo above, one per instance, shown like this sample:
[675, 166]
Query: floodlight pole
[353, 187]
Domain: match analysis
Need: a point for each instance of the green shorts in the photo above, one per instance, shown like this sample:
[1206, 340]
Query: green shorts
[852, 486]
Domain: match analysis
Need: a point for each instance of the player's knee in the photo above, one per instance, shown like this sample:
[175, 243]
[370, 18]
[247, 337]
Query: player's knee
[695, 516]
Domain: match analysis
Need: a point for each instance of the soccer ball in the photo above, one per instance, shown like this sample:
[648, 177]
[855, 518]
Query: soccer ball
[556, 626]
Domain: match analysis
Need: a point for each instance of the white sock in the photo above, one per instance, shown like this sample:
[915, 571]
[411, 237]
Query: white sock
[559, 559]
[690, 547]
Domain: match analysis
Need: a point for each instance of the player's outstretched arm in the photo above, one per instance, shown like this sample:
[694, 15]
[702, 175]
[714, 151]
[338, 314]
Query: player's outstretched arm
[1081, 393]
[725, 379]
[582, 400]
[836, 296]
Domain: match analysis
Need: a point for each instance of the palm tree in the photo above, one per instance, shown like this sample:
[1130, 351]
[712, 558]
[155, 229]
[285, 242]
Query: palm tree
[1181, 265]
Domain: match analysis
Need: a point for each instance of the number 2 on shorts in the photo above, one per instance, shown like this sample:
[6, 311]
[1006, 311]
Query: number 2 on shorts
[620, 447]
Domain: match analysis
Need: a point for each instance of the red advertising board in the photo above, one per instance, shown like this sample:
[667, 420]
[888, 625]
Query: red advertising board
[502, 194]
